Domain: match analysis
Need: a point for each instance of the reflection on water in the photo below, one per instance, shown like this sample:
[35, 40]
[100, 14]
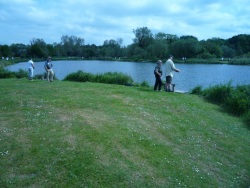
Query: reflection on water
[191, 75]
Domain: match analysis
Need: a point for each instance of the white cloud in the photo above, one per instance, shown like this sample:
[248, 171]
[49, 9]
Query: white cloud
[96, 20]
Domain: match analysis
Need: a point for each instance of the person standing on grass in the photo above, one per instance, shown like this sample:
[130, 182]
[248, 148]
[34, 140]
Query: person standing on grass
[158, 74]
[31, 68]
[48, 68]
[170, 67]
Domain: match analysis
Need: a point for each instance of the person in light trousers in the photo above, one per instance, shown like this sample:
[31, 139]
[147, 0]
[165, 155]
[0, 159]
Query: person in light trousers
[31, 68]
[48, 67]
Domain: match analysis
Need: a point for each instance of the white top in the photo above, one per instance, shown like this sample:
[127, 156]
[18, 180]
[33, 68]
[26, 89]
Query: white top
[170, 68]
[30, 64]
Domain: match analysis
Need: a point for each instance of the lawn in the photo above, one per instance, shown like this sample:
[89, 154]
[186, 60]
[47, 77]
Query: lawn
[70, 134]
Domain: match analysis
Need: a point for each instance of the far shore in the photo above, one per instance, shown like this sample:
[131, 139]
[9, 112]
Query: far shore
[233, 61]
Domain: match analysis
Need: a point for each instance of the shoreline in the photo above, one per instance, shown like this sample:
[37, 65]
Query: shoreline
[240, 61]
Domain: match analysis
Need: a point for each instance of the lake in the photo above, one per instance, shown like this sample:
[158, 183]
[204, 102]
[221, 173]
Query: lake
[191, 75]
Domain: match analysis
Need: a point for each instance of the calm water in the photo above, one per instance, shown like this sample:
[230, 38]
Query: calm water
[191, 75]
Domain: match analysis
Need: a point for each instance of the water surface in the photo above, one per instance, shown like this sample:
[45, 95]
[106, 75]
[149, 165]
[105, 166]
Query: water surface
[191, 75]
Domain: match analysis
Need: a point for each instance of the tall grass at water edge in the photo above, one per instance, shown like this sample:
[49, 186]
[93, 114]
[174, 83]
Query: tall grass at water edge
[109, 77]
[235, 100]
[21, 74]
[9, 74]
[80, 76]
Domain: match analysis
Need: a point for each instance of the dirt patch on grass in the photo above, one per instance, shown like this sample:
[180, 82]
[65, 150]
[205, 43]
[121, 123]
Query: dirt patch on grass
[71, 140]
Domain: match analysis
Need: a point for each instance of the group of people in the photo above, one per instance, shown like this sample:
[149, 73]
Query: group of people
[169, 69]
[47, 66]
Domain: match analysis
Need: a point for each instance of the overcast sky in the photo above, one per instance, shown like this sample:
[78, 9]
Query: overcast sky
[98, 20]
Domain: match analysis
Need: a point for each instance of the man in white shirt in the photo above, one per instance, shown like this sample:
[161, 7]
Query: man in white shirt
[170, 67]
[31, 68]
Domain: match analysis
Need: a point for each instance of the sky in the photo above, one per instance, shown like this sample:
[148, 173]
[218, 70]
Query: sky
[98, 20]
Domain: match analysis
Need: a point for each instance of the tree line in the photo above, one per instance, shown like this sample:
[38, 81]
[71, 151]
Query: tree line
[144, 46]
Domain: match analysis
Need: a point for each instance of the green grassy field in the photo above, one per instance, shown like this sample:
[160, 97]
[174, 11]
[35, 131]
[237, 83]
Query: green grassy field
[69, 134]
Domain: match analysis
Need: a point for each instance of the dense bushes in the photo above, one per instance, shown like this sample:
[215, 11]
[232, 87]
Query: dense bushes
[238, 102]
[21, 74]
[9, 74]
[108, 78]
[5, 73]
[241, 61]
[235, 100]
[218, 93]
[80, 76]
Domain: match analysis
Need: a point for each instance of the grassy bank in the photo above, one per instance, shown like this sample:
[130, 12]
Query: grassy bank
[233, 99]
[69, 134]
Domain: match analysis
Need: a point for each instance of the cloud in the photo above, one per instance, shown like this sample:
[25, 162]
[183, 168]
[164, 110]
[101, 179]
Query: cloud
[97, 21]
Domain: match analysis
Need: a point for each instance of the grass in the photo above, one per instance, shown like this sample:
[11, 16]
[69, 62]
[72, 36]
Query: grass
[70, 134]
[234, 99]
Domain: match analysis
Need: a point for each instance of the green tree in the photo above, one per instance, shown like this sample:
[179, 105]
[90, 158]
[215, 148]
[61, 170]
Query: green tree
[159, 47]
[90, 51]
[188, 47]
[241, 43]
[73, 45]
[189, 37]
[212, 48]
[143, 37]
[111, 48]
[51, 50]
[135, 52]
[38, 48]
[5, 51]
[18, 50]
[227, 52]
[60, 50]
[218, 41]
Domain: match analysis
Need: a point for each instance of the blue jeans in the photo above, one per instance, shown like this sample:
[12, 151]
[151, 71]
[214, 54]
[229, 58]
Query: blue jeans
[30, 70]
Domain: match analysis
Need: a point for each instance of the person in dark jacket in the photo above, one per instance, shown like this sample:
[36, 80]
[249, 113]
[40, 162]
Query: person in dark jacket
[158, 74]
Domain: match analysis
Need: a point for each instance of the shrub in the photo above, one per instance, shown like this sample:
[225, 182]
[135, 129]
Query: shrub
[145, 84]
[40, 76]
[6, 73]
[197, 90]
[79, 76]
[108, 78]
[43, 76]
[114, 78]
[246, 118]
[9, 74]
[235, 100]
[218, 93]
[243, 61]
[21, 73]
[85, 77]
[238, 102]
